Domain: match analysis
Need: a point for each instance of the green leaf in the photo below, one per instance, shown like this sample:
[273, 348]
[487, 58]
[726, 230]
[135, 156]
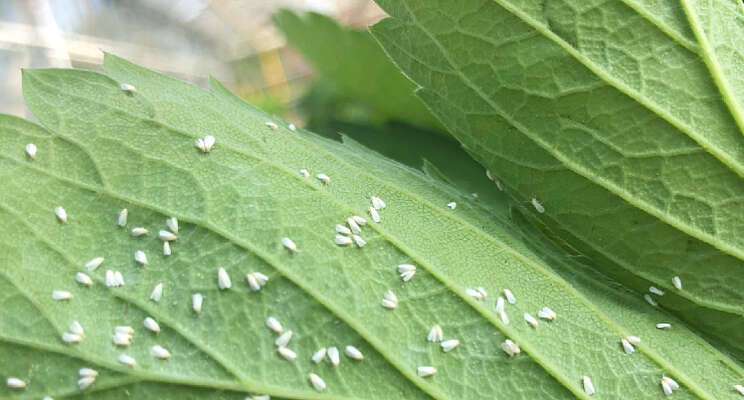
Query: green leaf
[101, 150]
[353, 66]
[606, 113]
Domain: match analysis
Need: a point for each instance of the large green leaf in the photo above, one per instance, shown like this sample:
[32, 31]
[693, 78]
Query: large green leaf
[102, 150]
[607, 112]
[355, 69]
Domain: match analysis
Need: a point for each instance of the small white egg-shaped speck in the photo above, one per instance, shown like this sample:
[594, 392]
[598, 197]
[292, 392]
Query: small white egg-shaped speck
[94, 263]
[87, 372]
[319, 355]
[60, 213]
[510, 296]
[353, 353]
[425, 371]
[289, 244]
[121, 339]
[677, 283]
[500, 304]
[271, 125]
[510, 348]
[634, 340]
[152, 325]
[123, 215]
[68, 337]
[292, 127]
[166, 249]
[359, 220]
[208, 143]
[84, 383]
[76, 328]
[223, 279]
[343, 230]
[650, 300]
[139, 231]
[333, 356]
[530, 320]
[288, 354]
[373, 213]
[449, 344]
[452, 205]
[663, 325]
[61, 295]
[489, 175]
[128, 88]
[196, 302]
[359, 240]
[389, 300]
[656, 291]
[317, 382]
[15, 383]
[127, 330]
[159, 352]
[588, 385]
[83, 279]
[31, 150]
[167, 235]
[126, 360]
[324, 178]
[504, 317]
[377, 203]
[118, 278]
[157, 293]
[627, 347]
[354, 226]
[199, 143]
[435, 334]
[140, 257]
[172, 223]
[342, 240]
[304, 173]
[739, 389]
[283, 339]
[274, 325]
[546, 313]
[539, 207]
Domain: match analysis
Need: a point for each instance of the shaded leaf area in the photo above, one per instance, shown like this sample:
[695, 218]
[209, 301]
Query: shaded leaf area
[357, 81]
[618, 129]
[102, 150]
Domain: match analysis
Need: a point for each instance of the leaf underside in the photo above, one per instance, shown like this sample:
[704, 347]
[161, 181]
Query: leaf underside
[101, 150]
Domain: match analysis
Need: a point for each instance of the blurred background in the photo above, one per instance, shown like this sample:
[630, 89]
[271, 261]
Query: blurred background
[236, 41]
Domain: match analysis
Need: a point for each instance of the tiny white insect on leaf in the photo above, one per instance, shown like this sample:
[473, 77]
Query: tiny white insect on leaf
[499, 184]
[15, 383]
[634, 340]
[68, 337]
[378, 203]
[588, 386]
[60, 213]
[324, 178]
[425, 371]
[353, 353]
[538, 206]
[167, 249]
[319, 355]
[333, 356]
[152, 325]
[374, 214]
[167, 235]
[172, 223]
[650, 300]
[158, 351]
[83, 279]
[547, 314]
[304, 173]
[489, 175]
[31, 150]
[672, 383]
[475, 293]
[359, 240]
[452, 205]
[274, 325]
[261, 278]
[529, 319]
[656, 291]
[199, 143]
[208, 143]
[127, 330]
[61, 295]
[126, 87]
[342, 230]
[223, 279]
[500, 304]
[118, 279]
[449, 345]
[504, 317]
[122, 339]
[739, 389]
[627, 347]
[139, 231]
[94, 263]
[342, 240]
[127, 360]
[663, 325]
[196, 301]
[317, 382]
[253, 282]
[140, 257]
[271, 125]
[354, 226]
[288, 354]
[435, 334]
[157, 293]
[359, 220]
[390, 300]
[87, 372]
[283, 339]
[510, 348]
[292, 127]
[677, 282]
[289, 244]
[510, 296]
[76, 328]
[84, 383]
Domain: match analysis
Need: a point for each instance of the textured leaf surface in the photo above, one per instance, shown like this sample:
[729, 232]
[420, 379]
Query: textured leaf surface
[353, 64]
[102, 150]
[609, 113]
